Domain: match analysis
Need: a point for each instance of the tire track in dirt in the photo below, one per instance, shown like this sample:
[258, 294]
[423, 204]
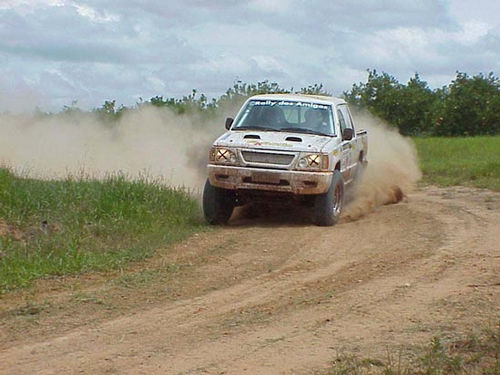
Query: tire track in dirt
[288, 296]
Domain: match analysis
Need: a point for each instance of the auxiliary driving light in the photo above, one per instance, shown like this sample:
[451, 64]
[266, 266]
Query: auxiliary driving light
[222, 155]
[313, 161]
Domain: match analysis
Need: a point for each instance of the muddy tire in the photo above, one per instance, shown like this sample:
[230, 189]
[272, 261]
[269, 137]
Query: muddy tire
[328, 206]
[218, 204]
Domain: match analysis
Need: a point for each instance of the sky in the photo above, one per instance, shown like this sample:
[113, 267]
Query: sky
[58, 52]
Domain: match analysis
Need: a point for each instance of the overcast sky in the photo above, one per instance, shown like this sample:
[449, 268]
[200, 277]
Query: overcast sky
[55, 51]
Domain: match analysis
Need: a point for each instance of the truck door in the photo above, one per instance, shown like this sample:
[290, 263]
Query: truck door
[348, 149]
[345, 148]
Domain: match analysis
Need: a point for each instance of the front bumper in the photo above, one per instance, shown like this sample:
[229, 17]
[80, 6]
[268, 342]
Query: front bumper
[285, 181]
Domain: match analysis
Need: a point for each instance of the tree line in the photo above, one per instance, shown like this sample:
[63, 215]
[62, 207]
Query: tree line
[469, 105]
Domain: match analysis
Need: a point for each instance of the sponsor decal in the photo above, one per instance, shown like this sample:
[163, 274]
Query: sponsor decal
[284, 103]
[260, 143]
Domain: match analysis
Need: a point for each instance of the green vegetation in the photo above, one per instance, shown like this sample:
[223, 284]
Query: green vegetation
[470, 356]
[468, 106]
[77, 225]
[194, 103]
[471, 161]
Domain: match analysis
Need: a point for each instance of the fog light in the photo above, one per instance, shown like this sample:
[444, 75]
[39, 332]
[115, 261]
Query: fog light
[303, 163]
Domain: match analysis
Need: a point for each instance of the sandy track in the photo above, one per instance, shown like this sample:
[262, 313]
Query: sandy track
[279, 296]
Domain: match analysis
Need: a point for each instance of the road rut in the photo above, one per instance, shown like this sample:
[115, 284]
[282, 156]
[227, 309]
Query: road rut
[275, 295]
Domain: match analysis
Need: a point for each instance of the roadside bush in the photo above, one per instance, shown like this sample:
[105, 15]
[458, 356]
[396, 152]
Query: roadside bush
[468, 106]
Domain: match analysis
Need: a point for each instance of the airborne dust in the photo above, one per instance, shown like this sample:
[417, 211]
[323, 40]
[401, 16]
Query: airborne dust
[162, 145]
[151, 142]
[392, 168]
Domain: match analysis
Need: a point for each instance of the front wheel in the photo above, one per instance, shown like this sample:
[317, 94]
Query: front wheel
[328, 206]
[218, 204]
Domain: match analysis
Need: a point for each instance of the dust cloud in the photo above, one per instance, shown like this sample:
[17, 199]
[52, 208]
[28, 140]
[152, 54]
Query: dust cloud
[392, 168]
[157, 143]
[150, 141]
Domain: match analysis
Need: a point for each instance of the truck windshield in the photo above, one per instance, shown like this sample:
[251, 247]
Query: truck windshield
[286, 115]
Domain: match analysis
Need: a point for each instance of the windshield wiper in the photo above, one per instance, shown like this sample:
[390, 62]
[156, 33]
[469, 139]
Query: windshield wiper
[303, 130]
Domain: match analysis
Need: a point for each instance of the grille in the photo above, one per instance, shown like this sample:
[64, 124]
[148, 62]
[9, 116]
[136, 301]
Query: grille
[267, 158]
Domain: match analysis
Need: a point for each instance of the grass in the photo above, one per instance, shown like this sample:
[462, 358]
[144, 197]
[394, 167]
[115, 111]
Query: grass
[77, 225]
[471, 161]
[474, 355]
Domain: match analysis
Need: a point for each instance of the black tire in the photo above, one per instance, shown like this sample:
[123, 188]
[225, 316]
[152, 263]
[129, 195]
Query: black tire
[218, 204]
[328, 206]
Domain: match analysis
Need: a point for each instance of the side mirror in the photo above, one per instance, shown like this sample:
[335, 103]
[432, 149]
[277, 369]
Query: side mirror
[229, 122]
[347, 134]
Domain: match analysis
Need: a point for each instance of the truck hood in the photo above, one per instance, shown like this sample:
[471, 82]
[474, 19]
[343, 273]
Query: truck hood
[269, 140]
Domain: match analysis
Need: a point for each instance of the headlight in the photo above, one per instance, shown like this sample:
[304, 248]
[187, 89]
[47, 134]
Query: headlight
[223, 155]
[313, 161]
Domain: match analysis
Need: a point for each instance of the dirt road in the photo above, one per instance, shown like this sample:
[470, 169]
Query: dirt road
[272, 295]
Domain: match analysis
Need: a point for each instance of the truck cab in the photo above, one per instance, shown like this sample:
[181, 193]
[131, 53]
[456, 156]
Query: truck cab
[285, 146]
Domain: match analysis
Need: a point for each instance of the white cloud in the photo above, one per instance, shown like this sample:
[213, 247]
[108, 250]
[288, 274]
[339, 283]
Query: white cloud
[95, 16]
[273, 6]
[269, 64]
[484, 11]
[223, 64]
[415, 48]
[94, 50]
[472, 32]
[29, 5]
[156, 83]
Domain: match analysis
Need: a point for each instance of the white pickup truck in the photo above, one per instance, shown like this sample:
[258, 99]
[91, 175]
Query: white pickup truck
[285, 146]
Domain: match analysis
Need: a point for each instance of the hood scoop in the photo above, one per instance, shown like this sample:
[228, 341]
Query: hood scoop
[251, 136]
[293, 139]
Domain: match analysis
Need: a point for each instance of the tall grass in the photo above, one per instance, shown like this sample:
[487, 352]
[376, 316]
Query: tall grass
[470, 161]
[78, 225]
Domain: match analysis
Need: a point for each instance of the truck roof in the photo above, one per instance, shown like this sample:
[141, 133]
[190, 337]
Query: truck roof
[323, 99]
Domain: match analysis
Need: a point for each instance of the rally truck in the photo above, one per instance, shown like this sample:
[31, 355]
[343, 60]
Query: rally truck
[286, 146]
